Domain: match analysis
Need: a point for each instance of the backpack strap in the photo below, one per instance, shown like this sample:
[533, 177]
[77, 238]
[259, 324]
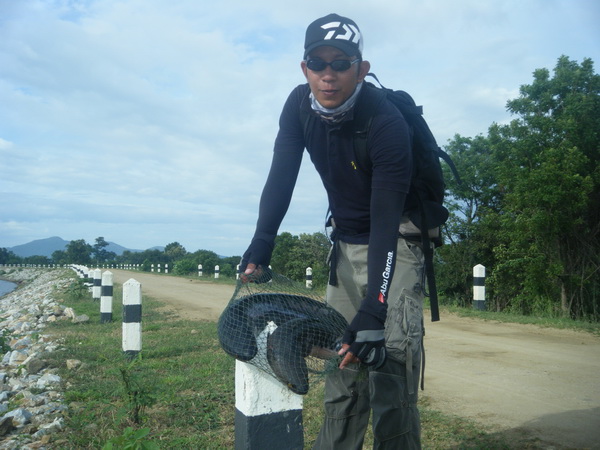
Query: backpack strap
[364, 111]
[413, 113]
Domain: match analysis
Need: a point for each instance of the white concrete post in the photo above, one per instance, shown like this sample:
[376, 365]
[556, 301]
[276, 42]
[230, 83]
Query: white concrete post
[96, 288]
[86, 276]
[199, 270]
[166, 268]
[267, 414]
[159, 268]
[106, 297]
[217, 269]
[132, 318]
[152, 267]
[309, 277]
[479, 287]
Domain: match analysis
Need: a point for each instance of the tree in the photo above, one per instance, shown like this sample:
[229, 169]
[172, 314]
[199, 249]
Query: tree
[37, 260]
[8, 257]
[552, 207]
[175, 251]
[468, 232]
[60, 257]
[145, 258]
[293, 254]
[78, 252]
[207, 258]
[281, 259]
[537, 192]
[101, 255]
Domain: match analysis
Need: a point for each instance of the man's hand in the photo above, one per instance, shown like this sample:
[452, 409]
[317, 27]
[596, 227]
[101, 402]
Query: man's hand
[256, 274]
[250, 269]
[255, 262]
[364, 341]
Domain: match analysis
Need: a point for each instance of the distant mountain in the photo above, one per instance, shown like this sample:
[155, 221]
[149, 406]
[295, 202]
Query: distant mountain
[40, 247]
[118, 249]
[45, 247]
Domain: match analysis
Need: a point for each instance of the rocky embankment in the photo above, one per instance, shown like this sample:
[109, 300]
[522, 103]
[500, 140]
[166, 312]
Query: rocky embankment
[31, 391]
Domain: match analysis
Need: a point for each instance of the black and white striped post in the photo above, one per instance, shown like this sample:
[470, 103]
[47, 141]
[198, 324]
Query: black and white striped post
[132, 318]
[217, 270]
[309, 277]
[199, 270]
[479, 287]
[106, 297]
[96, 288]
[267, 414]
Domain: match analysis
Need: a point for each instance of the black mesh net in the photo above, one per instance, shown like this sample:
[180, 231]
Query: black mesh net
[283, 328]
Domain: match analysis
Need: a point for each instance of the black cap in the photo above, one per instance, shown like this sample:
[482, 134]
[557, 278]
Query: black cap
[335, 31]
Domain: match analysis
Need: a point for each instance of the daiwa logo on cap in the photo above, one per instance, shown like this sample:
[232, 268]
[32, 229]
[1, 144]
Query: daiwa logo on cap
[335, 31]
[346, 32]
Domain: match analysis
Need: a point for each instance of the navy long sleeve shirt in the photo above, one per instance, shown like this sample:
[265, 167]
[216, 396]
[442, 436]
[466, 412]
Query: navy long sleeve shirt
[366, 203]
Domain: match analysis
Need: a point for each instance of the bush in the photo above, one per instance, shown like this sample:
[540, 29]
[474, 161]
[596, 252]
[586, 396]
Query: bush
[185, 267]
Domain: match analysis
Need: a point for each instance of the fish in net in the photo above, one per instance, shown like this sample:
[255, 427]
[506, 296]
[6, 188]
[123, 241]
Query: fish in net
[283, 328]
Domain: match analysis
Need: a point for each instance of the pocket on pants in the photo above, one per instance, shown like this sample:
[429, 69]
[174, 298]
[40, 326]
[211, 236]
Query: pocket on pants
[404, 328]
[346, 393]
[390, 404]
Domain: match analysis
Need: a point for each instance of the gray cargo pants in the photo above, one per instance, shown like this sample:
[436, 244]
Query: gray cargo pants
[392, 390]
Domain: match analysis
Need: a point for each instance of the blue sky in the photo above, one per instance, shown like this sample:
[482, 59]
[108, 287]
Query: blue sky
[152, 121]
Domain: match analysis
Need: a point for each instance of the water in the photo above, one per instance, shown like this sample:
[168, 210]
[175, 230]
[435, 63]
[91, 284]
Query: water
[6, 287]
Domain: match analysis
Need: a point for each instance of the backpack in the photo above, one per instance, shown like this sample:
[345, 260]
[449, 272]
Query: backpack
[424, 202]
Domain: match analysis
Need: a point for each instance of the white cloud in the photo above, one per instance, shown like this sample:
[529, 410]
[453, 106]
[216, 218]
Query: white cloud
[150, 122]
[4, 144]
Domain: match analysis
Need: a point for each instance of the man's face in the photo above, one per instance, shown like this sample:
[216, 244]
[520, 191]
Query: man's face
[329, 87]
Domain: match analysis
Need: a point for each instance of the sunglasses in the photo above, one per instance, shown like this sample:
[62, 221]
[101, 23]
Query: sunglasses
[339, 65]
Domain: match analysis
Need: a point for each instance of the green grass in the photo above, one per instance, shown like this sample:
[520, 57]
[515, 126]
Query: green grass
[551, 322]
[181, 388]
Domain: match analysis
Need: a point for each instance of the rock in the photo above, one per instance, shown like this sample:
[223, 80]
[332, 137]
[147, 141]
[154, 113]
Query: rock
[6, 426]
[73, 364]
[19, 416]
[41, 444]
[81, 319]
[21, 344]
[35, 365]
[47, 379]
[28, 379]
[49, 428]
[17, 357]
[69, 312]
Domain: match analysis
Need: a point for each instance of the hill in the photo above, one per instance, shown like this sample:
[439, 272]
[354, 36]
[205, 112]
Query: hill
[45, 247]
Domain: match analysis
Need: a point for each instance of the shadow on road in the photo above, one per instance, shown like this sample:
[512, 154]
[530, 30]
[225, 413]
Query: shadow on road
[579, 429]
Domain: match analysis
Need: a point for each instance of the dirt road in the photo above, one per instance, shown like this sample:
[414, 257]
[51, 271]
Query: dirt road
[517, 378]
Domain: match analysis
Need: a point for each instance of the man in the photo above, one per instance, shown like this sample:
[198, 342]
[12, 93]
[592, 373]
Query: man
[376, 276]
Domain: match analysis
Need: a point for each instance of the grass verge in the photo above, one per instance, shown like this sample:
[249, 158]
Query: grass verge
[179, 393]
[551, 322]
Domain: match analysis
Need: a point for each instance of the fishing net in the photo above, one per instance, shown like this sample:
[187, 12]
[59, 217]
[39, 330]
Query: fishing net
[283, 328]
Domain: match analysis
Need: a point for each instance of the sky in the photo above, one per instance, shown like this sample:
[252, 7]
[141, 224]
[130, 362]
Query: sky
[149, 122]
